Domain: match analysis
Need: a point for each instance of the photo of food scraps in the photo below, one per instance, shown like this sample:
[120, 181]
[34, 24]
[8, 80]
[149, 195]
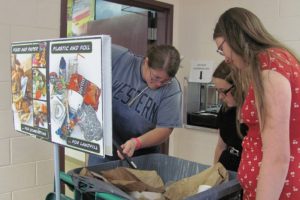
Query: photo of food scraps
[39, 58]
[40, 114]
[29, 90]
[21, 87]
[39, 84]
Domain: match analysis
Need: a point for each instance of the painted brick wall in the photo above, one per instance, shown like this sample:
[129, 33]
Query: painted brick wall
[26, 164]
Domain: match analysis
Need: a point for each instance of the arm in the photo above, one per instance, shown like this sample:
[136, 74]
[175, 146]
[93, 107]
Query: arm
[221, 146]
[275, 136]
[151, 138]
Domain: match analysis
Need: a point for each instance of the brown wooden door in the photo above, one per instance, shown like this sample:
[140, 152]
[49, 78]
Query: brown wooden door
[128, 30]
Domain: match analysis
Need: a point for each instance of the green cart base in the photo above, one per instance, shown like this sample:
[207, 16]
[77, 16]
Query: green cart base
[169, 168]
[52, 196]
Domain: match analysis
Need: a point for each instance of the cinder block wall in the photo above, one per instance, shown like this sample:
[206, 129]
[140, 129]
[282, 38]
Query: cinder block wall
[26, 164]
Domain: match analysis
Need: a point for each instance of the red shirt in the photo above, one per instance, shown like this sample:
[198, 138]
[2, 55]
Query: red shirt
[284, 63]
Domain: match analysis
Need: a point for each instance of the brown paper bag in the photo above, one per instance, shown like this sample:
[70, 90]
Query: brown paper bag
[131, 180]
[183, 188]
[85, 172]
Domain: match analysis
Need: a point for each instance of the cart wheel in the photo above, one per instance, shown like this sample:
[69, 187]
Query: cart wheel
[51, 196]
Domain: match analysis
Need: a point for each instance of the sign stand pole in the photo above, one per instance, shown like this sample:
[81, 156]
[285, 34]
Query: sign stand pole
[56, 172]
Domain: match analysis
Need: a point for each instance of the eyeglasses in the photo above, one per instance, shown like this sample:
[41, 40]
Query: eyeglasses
[158, 79]
[220, 49]
[225, 92]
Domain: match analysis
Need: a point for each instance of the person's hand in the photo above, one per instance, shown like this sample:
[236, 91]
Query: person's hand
[128, 149]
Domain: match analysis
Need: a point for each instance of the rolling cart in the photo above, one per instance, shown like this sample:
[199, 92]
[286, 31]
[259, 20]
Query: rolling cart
[169, 168]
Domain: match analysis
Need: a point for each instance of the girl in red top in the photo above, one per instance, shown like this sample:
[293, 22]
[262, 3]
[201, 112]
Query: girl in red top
[269, 74]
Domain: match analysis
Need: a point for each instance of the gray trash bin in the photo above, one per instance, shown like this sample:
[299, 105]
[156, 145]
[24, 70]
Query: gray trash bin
[172, 169]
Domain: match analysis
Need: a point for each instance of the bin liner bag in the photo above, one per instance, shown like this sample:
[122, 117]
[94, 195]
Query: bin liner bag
[183, 188]
[142, 181]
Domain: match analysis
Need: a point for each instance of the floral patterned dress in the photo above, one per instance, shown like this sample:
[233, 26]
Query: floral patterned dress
[284, 63]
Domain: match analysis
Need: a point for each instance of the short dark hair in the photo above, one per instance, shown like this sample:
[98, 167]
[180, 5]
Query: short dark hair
[164, 57]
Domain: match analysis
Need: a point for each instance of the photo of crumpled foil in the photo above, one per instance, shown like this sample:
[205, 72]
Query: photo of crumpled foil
[89, 123]
[58, 110]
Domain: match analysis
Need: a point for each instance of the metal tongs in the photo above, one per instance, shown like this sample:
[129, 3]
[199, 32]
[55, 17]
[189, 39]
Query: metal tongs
[127, 158]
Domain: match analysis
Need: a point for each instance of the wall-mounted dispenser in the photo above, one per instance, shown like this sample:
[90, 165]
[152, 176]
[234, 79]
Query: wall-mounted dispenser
[201, 104]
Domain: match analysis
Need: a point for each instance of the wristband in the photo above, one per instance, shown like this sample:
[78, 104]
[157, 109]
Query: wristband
[138, 143]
